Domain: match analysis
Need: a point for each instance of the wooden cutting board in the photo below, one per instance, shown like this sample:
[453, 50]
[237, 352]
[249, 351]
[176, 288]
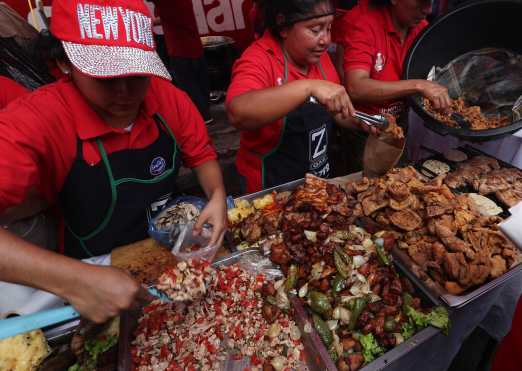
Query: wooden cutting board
[145, 260]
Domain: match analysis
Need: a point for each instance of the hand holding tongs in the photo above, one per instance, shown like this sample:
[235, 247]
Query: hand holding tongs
[22, 324]
[377, 121]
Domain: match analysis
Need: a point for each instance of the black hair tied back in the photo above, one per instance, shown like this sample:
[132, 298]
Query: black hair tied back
[282, 13]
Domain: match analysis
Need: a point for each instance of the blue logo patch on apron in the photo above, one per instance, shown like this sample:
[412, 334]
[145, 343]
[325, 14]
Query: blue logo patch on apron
[157, 166]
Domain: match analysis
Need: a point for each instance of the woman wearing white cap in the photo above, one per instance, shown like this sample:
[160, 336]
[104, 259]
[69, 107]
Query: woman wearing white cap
[101, 145]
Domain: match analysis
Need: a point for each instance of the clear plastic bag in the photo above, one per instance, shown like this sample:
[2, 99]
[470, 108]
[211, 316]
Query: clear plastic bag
[183, 237]
[490, 78]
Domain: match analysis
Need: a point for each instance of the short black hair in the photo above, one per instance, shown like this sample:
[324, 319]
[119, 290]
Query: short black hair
[50, 48]
[290, 11]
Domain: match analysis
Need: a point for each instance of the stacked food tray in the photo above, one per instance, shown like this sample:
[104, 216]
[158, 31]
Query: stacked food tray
[316, 355]
[453, 160]
[314, 360]
[302, 308]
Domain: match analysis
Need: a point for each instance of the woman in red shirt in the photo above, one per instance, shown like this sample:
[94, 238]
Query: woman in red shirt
[376, 42]
[102, 144]
[284, 133]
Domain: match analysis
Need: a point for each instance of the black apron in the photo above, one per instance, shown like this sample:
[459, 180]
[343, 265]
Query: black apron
[303, 145]
[104, 206]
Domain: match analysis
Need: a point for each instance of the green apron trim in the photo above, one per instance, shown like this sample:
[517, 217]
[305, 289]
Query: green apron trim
[281, 136]
[115, 183]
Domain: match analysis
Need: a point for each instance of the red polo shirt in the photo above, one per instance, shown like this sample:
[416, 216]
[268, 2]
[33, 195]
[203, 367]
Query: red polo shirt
[262, 66]
[346, 18]
[10, 90]
[38, 136]
[372, 44]
[180, 28]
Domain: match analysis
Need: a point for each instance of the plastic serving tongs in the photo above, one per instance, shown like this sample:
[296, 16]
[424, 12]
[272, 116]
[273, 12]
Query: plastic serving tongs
[22, 324]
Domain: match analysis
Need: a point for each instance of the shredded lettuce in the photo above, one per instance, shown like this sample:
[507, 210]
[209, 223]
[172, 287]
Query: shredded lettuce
[371, 348]
[94, 348]
[438, 317]
[407, 330]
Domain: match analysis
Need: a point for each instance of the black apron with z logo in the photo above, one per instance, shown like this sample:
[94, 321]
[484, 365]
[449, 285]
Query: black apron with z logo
[303, 145]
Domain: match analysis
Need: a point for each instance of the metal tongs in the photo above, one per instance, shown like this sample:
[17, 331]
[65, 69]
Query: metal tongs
[378, 121]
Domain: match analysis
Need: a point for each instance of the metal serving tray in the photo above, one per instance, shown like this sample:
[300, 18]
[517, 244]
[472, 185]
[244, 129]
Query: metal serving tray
[458, 301]
[314, 360]
[390, 356]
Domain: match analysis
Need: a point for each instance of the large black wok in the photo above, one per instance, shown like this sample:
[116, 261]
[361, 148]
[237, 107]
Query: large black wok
[474, 26]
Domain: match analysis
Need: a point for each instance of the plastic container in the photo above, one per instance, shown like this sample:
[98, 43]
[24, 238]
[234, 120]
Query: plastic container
[185, 238]
[163, 235]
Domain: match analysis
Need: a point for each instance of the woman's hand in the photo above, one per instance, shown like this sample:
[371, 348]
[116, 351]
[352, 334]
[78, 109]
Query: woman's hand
[99, 293]
[436, 93]
[333, 96]
[215, 213]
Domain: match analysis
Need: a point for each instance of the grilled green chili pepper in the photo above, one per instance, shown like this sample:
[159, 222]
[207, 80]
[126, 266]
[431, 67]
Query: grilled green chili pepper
[319, 303]
[333, 353]
[291, 278]
[381, 254]
[343, 263]
[339, 283]
[322, 329]
[389, 325]
[358, 307]
[406, 301]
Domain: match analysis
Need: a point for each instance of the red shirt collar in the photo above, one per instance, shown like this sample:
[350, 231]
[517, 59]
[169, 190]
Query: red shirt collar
[269, 43]
[273, 46]
[87, 122]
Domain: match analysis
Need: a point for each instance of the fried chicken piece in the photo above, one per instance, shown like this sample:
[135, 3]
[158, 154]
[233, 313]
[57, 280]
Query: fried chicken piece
[374, 202]
[452, 242]
[438, 252]
[420, 253]
[509, 197]
[464, 219]
[484, 163]
[382, 218]
[492, 182]
[479, 269]
[467, 274]
[404, 204]
[453, 288]
[405, 174]
[361, 185]
[446, 220]
[393, 130]
[398, 191]
[437, 210]
[470, 171]
[455, 265]
[407, 220]
[477, 237]
[498, 266]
